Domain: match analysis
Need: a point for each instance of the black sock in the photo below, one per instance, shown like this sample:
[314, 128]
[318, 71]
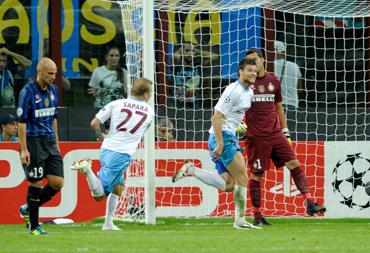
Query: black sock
[33, 200]
[47, 193]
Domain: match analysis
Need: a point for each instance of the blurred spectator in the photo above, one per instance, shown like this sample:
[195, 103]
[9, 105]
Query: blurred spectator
[108, 82]
[6, 84]
[164, 130]
[289, 75]
[188, 62]
[8, 128]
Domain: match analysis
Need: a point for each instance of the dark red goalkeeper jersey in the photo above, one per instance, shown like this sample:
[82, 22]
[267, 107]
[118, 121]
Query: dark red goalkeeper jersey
[262, 118]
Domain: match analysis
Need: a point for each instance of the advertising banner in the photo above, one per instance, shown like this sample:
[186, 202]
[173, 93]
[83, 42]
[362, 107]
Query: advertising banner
[188, 197]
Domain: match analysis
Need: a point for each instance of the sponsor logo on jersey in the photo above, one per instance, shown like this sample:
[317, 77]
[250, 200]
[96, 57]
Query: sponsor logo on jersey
[271, 87]
[264, 98]
[44, 112]
[261, 88]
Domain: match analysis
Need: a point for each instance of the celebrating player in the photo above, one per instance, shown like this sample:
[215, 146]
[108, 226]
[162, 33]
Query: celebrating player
[267, 137]
[223, 144]
[130, 118]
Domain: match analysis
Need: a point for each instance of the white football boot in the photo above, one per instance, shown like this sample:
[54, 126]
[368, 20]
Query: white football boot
[82, 166]
[110, 227]
[183, 172]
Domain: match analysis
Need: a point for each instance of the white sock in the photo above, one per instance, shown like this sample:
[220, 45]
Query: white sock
[110, 208]
[208, 177]
[94, 183]
[240, 193]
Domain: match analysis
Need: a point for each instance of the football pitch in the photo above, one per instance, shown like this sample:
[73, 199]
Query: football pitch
[194, 235]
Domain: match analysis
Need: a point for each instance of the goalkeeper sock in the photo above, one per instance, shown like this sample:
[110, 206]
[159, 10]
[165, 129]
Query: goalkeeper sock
[94, 184]
[300, 180]
[239, 199]
[47, 193]
[255, 191]
[110, 209]
[210, 178]
[33, 201]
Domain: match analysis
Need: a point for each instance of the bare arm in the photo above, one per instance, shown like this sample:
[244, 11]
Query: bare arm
[22, 134]
[95, 125]
[55, 125]
[281, 114]
[19, 58]
[176, 56]
[217, 128]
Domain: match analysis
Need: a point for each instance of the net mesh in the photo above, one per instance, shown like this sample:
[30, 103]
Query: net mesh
[198, 45]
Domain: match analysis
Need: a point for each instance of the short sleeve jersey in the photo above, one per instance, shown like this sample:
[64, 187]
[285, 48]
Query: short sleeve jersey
[38, 108]
[262, 118]
[130, 118]
[233, 103]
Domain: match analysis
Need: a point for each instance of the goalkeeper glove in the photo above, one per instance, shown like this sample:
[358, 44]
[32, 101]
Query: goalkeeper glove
[287, 135]
[241, 128]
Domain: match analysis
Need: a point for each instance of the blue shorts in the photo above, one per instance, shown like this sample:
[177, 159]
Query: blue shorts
[231, 146]
[114, 165]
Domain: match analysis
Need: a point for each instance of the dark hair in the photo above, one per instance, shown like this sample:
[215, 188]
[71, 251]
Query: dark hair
[259, 51]
[245, 62]
[119, 69]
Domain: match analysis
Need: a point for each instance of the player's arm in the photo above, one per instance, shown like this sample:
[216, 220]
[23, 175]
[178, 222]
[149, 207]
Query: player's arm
[217, 128]
[22, 135]
[283, 122]
[95, 126]
[55, 125]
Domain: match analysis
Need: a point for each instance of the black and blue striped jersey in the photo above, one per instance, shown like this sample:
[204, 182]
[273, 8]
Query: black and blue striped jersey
[38, 108]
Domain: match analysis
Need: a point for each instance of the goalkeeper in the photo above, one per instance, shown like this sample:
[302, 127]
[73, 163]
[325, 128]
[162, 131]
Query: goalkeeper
[267, 137]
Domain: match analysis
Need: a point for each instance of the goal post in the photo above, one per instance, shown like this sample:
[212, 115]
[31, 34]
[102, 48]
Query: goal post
[329, 42]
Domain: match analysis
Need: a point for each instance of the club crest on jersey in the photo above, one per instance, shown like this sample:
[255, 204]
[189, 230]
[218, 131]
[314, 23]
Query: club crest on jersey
[261, 88]
[271, 87]
[52, 97]
[46, 102]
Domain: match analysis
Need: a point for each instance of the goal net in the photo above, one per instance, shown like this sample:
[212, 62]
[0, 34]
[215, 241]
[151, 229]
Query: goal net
[198, 45]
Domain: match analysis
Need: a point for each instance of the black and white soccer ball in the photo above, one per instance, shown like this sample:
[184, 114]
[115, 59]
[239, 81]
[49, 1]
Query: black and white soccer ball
[350, 177]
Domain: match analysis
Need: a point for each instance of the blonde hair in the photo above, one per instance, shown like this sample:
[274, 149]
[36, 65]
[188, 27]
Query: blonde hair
[141, 86]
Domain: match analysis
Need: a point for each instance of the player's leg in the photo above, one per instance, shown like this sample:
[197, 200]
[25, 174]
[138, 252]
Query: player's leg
[111, 207]
[84, 167]
[284, 154]
[35, 173]
[111, 175]
[55, 175]
[258, 153]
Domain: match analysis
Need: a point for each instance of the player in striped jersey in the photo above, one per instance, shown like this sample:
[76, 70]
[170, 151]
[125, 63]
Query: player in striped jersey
[38, 136]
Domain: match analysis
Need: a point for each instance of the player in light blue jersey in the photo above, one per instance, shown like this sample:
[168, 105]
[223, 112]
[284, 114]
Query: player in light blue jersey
[223, 143]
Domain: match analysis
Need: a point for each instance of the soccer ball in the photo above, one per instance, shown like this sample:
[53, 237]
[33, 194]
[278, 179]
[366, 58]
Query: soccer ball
[350, 181]
[367, 188]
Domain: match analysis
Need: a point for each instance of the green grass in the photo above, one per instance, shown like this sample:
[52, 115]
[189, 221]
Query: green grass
[194, 235]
